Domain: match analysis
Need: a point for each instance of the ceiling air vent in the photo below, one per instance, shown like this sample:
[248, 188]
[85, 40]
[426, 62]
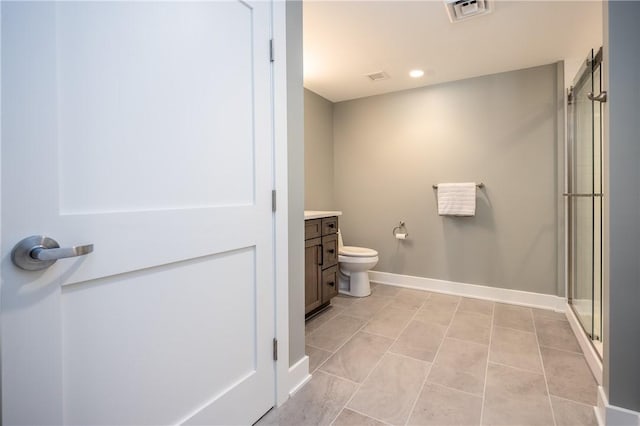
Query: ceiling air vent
[459, 10]
[377, 76]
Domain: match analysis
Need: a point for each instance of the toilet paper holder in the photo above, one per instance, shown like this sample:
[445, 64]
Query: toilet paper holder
[400, 231]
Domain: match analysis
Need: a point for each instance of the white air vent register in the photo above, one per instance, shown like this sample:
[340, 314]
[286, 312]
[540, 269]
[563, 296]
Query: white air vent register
[378, 75]
[460, 10]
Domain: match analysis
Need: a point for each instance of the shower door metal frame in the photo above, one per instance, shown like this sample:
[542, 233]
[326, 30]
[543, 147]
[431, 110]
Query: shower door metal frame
[588, 68]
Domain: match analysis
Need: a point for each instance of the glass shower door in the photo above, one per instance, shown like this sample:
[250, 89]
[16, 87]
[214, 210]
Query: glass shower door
[585, 197]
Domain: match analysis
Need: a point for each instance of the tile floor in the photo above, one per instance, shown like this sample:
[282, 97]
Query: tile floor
[410, 357]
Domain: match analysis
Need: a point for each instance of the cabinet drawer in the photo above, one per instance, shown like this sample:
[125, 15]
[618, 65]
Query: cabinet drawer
[329, 250]
[329, 283]
[329, 225]
[312, 228]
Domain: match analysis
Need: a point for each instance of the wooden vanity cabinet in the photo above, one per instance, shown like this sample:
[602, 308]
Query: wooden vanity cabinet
[320, 263]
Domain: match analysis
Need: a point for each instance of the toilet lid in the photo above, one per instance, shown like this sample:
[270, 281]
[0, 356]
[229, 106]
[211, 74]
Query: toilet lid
[357, 251]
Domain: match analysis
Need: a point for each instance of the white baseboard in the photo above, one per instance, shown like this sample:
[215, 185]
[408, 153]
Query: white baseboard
[299, 375]
[610, 415]
[590, 354]
[516, 297]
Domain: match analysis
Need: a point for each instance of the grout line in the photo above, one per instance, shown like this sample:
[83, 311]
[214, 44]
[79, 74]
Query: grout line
[315, 347]
[524, 370]
[514, 329]
[339, 377]
[486, 369]
[344, 343]
[571, 400]
[470, 341]
[435, 358]
[378, 363]
[562, 350]
[363, 414]
[358, 385]
[339, 412]
[455, 390]
[544, 372]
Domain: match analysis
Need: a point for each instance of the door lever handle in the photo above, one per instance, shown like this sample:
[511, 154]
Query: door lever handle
[602, 97]
[42, 253]
[39, 252]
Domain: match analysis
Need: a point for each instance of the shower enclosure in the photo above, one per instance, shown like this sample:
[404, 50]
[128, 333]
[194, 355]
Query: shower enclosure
[584, 183]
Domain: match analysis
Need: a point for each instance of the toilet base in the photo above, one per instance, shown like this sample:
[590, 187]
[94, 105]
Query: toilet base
[355, 284]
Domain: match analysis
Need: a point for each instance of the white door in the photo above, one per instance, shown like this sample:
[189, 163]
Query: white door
[143, 128]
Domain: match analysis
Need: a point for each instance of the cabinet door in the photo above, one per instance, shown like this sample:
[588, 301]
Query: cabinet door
[312, 283]
[329, 283]
[329, 251]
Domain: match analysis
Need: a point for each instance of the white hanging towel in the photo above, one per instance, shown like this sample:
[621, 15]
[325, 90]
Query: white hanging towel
[457, 199]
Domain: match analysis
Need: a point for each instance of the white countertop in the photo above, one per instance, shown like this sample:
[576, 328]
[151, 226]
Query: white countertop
[319, 214]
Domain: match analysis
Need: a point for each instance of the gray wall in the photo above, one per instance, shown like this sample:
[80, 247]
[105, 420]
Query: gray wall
[622, 135]
[318, 152]
[295, 151]
[499, 129]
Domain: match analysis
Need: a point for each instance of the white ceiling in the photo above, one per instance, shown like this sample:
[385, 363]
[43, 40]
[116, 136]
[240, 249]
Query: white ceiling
[344, 40]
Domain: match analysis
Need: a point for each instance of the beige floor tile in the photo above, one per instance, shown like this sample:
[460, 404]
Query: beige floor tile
[514, 383]
[460, 365]
[356, 359]
[343, 300]
[420, 340]
[556, 334]
[515, 397]
[445, 299]
[436, 312]
[351, 418]
[332, 334]
[476, 306]
[569, 413]
[569, 376]
[385, 290]
[545, 313]
[389, 322]
[367, 307]
[455, 378]
[510, 316]
[316, 357]
[504, 411]
[440, 406]
[389, 392]
[317, 403]
[312, 325]
[467, 356]
[515, 348]
[410, 299]
[413, 293]
[470, 326]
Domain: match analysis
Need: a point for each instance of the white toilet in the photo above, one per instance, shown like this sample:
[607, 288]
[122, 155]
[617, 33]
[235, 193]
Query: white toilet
[354, 265]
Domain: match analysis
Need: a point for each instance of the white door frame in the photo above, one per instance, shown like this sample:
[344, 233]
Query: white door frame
[281, 219]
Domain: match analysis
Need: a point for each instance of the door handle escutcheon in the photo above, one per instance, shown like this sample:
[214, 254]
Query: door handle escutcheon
[39, 252]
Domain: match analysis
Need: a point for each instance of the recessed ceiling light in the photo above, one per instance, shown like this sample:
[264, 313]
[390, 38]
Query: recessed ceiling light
[416, 73]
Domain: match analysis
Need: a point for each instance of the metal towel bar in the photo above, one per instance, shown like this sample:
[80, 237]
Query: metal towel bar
[567, 194]
[479, 185]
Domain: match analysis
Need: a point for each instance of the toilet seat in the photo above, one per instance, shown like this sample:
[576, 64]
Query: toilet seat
[350, 251]
[357, 259]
